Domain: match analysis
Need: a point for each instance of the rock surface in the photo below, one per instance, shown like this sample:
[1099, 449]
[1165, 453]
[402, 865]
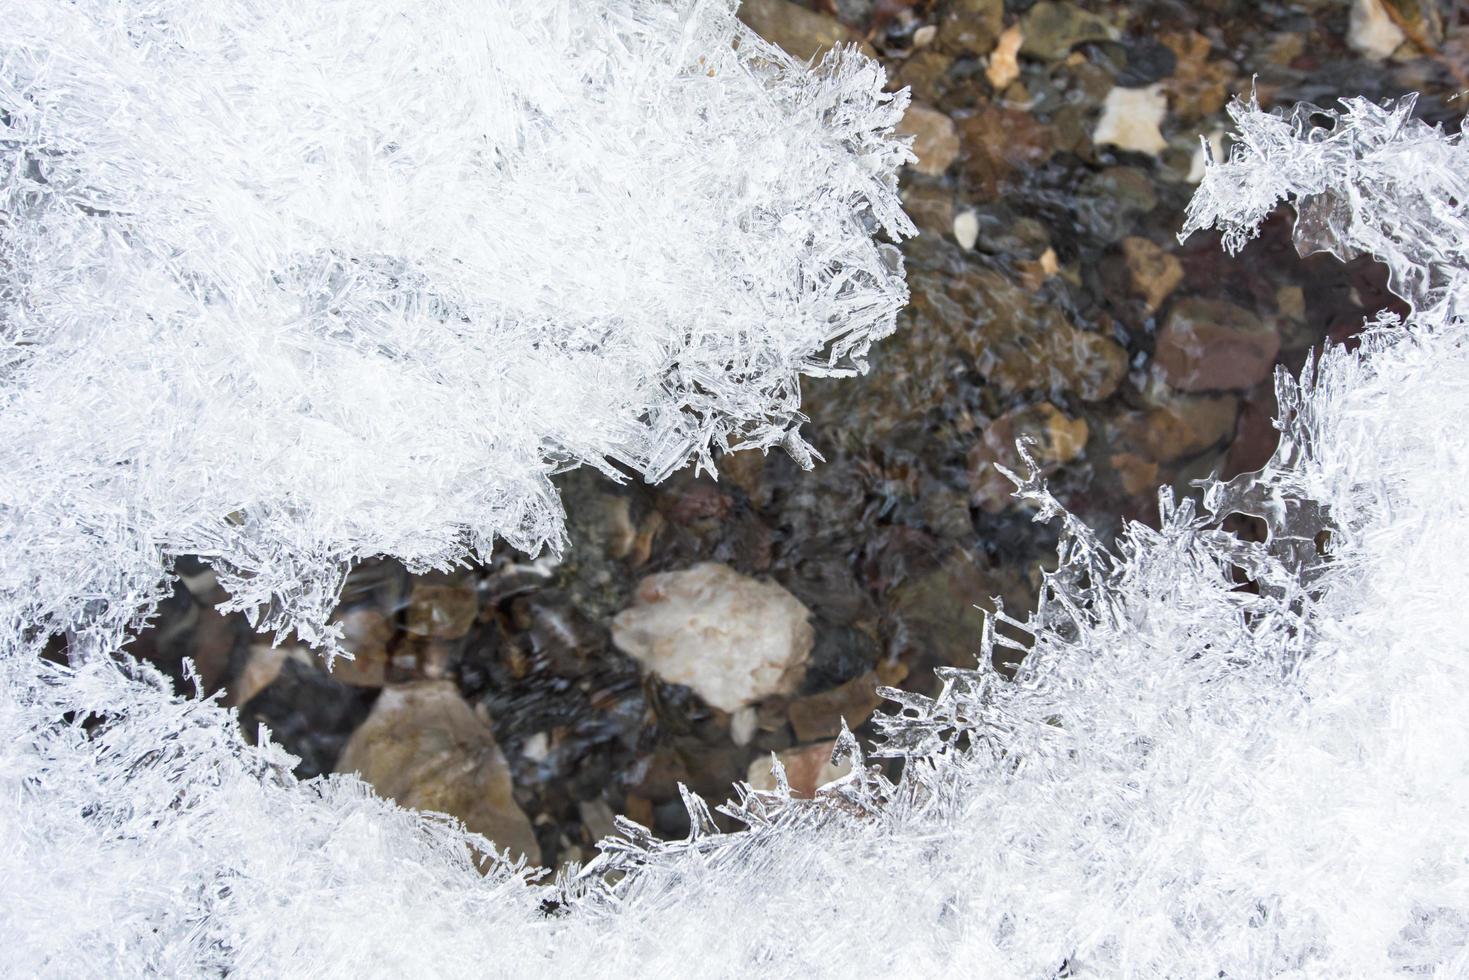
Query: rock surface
[731, 638]
[1212, 345]
[424, 747]
[935, 140]
[808, 768]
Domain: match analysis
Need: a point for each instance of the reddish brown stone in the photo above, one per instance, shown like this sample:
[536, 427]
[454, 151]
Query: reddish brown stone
[1211, 345]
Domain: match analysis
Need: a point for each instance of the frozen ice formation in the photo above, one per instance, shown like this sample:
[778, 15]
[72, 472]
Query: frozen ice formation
[289, 285]
[1186, 777]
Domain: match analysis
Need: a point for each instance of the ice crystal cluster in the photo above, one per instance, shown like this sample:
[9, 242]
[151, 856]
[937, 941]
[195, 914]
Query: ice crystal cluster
[243, 307]
[285, 285]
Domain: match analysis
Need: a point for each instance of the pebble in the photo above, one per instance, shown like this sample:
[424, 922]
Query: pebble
[1051, 30]
[1213, 345]
[423, 747]
[803, 34]
[731, 638]
[1004, 66]
[1131, 118]
[1152, 273]
[441, 611]
[935, 140]
[966, 229]
[821, 715]
[1058, 439]
[1372, 31]
[808, 768]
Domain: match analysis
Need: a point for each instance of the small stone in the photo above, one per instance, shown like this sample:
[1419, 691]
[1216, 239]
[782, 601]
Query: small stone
[971, 26]
[999, 144]
[931, 207]
[924, 36]
[821, 715]
[1138, 475]
[966, 229]
[1179, 426]
[1211, 345]
[808, 768]
[803, 34]
[1372, 31]
[742, 725]
[731, 638]
[1058, 439]
[1199, 86]
[935, 140]
[423, 747]
[441, 611]
[1004, 67]
[262, 667]
[365, 635]
[1131, 118]
[1153, 273]
[1051, 30]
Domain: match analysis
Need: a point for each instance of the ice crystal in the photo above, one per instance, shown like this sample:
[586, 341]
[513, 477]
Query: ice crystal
[1187, 777]
[288, 285]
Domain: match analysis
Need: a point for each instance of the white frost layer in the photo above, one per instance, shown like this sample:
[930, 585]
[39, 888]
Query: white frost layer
[1185, 779]
[286, 285]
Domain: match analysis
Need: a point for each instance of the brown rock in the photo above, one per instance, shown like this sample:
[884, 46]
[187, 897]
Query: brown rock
[1198, 87]
[423, 747]
[925, 74]
[808, 768]
[935, 140]
[1138, 475]
[931, 207]
[821, 715]
[803, 34]
[1152, 273]
[365, 635]
[441, 611]
[1211, 345]
[971, 26]
[998, 143]
[1053, 29]
[1058, 439]
[1179, 426]
[1004, 66]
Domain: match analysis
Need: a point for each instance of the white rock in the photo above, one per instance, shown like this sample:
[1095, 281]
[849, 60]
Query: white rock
[731, 638]
[966, 229]
[1371, 30]
[1130, 119]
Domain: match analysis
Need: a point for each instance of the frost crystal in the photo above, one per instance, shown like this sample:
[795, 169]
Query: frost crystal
[289, 287]
[1186, 778]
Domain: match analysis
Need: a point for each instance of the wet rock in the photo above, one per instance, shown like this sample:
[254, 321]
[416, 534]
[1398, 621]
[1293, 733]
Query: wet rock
[365, 635]
[308, 713]
[803, 34]
[1212, 345]
[1138, 475]
[1372, 31]
[441, 611]
[731, 638]
[935, 140]
[808, 768]
[1148, 60]
[925, 74]
[999, 144]
[931, 207]
[1131, 118]
[1057, 438]
[821, 715]
[1199, 86]
[425, 748]
[1110, 203]
[1052, 29]
[1152, 273]
[1004, 67]
[932, 616]
[971, 26]
[262, 667]
[1179, 426]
